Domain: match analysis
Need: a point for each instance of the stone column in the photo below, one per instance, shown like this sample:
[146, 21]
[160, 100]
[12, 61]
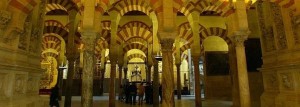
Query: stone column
[101, 80]
[191, 73]
[69, 82]
[112, 95]
[155, 85]
[178, 81]
[120, 80]
[60, 82]
[198, 101]
[71, 54]
[167, 72]
[238, 40]
[234, 77]
[89, 39]
[148, 79]
[125, 73]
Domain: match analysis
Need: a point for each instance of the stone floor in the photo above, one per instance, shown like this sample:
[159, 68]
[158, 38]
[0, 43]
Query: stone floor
[187, 101]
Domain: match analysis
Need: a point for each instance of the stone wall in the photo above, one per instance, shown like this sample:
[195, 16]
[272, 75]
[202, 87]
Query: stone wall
[256, 87]
[218, 87]
[20, 69]
[19, 79]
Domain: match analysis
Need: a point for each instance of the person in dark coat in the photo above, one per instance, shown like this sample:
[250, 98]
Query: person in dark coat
[160, 93]
[133, 93]
[54, 97]
[148, 92]
[127, 92]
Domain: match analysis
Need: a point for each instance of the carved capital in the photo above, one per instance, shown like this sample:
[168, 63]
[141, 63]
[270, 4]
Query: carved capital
[5, 17]
[167, 44]
[11, 34]
[287, 81]
[89, 40]
[239, 37]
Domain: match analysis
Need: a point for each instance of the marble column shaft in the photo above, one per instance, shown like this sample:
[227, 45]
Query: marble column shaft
[120, 80]
[112, 93]
[59, 82]
[149, 73]
[178, 81]
[89, 62]
[234, 77]
[167, 73]
[198, 101]
[69, 82]
[155, 85]
[238, 41]
[101, 80]
[71, 56]
[125, 73]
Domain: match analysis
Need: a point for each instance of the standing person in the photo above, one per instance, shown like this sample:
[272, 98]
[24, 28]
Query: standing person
[133, 92]
[54, 97]
[148, 93]
[127, 92]
[141, 91]
[160, 93]
[151, 94]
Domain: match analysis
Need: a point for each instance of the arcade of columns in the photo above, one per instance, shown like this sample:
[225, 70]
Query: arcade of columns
[88, 33]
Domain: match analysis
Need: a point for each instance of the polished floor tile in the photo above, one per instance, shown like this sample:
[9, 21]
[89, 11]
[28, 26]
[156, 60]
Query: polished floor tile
[187, 101]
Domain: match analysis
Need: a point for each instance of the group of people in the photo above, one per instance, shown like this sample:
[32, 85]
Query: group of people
[129, 92]
[132, 90]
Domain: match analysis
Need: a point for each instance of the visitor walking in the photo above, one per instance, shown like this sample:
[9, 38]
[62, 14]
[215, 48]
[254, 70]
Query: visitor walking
[141, 91]
[54, 97]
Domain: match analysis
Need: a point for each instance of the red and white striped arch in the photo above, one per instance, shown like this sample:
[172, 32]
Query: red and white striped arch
[186, 46]
[105, 24]
[51, 42]
[134, 29]
[124, 6]
[101, 45]
[51, 46]
[221, 7]
[56, 27]
[140, 56]
[66, 5]
[137, 40]
[26, 6]
[194, 6]
[55, 23]
[185, 32]
[214, 31]
[105, 30]
[138, 46]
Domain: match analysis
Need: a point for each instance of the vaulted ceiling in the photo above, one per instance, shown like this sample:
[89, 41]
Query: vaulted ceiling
[134, 32]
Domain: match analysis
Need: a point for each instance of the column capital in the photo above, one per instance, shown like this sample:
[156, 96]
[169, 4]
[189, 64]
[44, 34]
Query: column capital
[239, 37]
[89, 39]
[167, 44]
